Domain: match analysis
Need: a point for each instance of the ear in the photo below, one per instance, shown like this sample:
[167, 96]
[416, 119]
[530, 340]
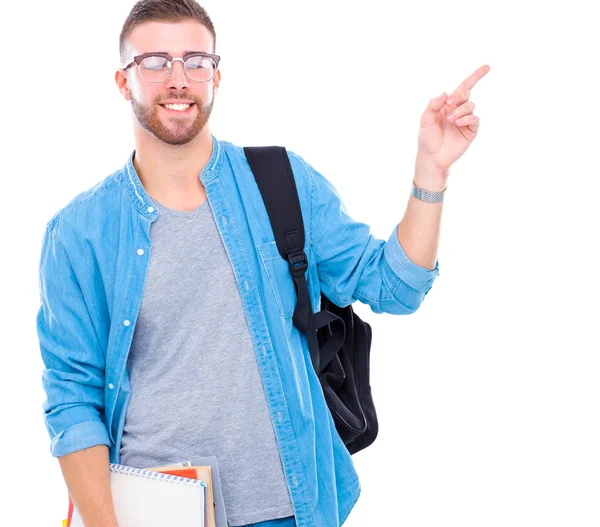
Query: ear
[216, 81]
[122, 80]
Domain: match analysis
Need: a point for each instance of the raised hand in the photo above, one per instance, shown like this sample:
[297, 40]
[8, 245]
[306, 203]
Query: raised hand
[448, 125]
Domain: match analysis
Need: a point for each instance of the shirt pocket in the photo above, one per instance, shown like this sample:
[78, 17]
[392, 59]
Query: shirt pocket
[280, 278]
[281, 282]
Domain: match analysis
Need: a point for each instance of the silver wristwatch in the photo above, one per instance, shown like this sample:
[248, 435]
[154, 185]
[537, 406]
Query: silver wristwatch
[428, 195]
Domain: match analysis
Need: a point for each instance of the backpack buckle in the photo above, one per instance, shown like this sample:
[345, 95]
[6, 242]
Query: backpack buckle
[298, 263]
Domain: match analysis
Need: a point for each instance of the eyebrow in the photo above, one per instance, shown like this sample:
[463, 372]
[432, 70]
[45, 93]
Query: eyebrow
[186, 52]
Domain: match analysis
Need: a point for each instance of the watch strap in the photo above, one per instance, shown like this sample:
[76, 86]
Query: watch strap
[428, 195]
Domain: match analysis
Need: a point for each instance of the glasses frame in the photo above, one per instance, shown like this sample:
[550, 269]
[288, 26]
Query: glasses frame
[138, 59]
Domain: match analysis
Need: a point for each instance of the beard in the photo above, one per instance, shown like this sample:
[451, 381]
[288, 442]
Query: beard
[179, 131]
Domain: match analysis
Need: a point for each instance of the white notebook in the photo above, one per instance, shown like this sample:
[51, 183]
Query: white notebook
[152, 499]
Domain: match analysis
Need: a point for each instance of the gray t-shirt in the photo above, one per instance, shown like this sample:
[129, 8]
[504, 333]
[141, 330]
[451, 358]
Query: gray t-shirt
[195, 385]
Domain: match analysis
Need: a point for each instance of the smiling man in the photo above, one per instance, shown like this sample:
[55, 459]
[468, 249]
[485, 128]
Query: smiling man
[166, 319]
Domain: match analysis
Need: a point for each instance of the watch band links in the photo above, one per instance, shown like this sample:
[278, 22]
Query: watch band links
[428, 195]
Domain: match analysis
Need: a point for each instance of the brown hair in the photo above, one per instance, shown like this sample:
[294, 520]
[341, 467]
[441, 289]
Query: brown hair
[164, 11]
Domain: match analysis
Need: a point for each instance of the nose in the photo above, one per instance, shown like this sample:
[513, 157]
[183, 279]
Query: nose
[178, 78]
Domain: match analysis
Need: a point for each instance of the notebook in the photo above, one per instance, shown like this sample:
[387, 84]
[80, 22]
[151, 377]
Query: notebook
[185, 473]
[209, 520]
[197, 472]
[152, 499]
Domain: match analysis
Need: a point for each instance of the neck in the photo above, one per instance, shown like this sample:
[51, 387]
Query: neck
[171, 173]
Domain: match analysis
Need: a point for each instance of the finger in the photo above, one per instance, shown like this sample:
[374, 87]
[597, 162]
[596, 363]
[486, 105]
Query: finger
[472, 79]
[433, 108]
[472, 121]
[458, 97]
[463, 109]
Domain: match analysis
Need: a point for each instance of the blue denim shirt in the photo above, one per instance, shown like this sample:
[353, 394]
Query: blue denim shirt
[94, 259]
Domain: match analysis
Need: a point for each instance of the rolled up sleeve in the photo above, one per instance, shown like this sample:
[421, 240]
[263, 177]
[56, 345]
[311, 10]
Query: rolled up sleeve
[353, 264]
[410, 282]
[73, 376]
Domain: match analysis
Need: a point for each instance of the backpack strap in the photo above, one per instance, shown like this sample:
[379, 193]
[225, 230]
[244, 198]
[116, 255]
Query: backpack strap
[275, 179]
[273, 173]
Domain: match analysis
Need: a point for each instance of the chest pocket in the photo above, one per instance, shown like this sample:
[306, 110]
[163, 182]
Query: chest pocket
[281, 282]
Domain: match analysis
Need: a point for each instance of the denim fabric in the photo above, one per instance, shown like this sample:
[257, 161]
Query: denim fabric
[94, 258]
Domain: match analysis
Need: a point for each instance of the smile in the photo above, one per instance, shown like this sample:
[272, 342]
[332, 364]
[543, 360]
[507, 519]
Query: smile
[182, 109]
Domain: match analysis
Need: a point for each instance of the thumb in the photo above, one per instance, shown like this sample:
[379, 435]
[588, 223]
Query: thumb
[430, 114]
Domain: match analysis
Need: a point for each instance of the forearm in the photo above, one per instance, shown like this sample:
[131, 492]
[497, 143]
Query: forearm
[419, 230]
[86, 473]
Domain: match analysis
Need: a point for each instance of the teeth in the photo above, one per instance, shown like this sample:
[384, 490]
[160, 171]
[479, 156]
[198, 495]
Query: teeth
[178, 107]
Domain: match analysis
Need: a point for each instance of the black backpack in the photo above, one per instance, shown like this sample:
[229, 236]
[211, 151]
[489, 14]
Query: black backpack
[338, 340]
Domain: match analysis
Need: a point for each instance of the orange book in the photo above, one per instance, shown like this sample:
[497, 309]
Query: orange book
[183, 472]
[70, 515]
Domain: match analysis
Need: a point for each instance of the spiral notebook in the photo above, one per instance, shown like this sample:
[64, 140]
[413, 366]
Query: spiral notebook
[152, 499]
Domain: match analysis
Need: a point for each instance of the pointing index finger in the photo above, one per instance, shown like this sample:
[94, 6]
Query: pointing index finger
[472, 79]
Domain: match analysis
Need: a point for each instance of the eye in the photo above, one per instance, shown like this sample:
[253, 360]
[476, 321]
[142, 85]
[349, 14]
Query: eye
[199, 62]
[154, 63]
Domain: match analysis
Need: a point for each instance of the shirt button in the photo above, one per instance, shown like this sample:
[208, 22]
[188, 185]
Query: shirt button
[264, 350]
[140, 251]
[279, 416]
[246, 285]
[150, 209]
[224, 221]
[126, 323]
[295, 480]
[111, 386]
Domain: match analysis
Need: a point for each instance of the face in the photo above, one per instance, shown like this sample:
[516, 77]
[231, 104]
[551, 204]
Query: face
[169, 126]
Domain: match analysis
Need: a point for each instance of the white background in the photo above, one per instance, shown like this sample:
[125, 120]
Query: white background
[488, 396]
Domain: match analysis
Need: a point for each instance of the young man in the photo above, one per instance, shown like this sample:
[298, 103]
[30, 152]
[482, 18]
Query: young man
[166, 318]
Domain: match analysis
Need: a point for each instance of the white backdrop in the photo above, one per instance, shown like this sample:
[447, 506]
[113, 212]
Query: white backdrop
[488, 396]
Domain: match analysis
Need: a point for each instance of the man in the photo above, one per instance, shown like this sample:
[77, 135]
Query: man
[166, 319]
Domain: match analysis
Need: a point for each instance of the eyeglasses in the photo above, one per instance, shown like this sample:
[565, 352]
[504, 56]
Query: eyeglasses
[156, 67]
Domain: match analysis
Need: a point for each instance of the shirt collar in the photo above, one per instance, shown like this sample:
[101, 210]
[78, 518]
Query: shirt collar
[140, 198]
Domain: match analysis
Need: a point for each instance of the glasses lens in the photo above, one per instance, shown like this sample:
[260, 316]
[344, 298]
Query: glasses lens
[200, 68]
[154, 68]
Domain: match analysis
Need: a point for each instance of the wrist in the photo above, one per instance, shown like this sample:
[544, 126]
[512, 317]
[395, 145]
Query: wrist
[428, 176]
